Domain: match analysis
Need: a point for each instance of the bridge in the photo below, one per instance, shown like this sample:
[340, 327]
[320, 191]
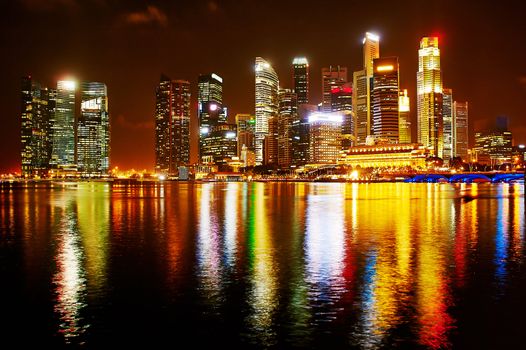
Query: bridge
[469, 178]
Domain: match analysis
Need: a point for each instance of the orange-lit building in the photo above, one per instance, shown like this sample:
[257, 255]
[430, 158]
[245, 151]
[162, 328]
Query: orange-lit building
[385, 156]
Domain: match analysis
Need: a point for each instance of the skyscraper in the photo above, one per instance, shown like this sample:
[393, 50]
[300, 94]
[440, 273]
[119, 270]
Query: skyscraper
[325, 137]
[266, 81]
[362, 85]
[341, 101]
[404, 118]
[220, 145]
[300, 74]
[385, 99]
[288, 113]
[332, 77]
[172, 125]
[449, 125]
[246, 126]
[300, 138]
[429, 97]
[210, 111]
[63, 154]
[93, 130]
[461, 131]
[36, 122]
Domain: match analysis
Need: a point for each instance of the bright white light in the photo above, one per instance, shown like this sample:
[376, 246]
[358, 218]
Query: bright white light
[522, 146]
[213, 107]
[230, 135]
[67, 85]
[162, 177]
[354, 175]
[217, 77]
[326, 117]
[372, 36]
[204, 130]
[300, 60]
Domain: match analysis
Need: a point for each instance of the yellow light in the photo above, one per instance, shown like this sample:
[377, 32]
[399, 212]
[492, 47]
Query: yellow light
[385, 68]
[354, 175]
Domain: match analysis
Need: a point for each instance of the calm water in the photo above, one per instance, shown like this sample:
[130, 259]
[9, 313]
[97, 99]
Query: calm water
[264, 265]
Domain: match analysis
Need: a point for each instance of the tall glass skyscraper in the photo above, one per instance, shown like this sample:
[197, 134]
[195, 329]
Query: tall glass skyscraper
[172, 125]
[362, 85]
[332, 77]
[38, 107]
[300, 74]
[404, 116]
[461, 132]
[63, 155]
[385, 99]
[93, 130]
[266, 103]
[449, 126]
[429, 97]
[288, 113]
[210, 111]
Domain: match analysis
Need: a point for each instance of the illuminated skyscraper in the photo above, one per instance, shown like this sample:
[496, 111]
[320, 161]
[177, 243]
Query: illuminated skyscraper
[300, 73]
[172, 125]
[266, 103]
[36, 122]
[385, 98]
[332, 77]
[246, 127]
[449, 126]
[341, 101]
[429, 97]
[220, 145]
[93, 130]
[461, 133]
[288, 113]
[325, 137]
[209, 107]
[300, 138]
[404, 118]
[362, 85]
[63, 154]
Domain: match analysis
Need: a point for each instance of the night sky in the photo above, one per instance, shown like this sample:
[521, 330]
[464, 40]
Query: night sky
[127, 44]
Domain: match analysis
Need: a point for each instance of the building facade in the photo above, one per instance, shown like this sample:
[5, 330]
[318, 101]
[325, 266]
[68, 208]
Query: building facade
[172, 125]
[63, 154]
[332, 77]
[220, 146]
[93, 130]
[300, 75]
[325, 137]
[266, 83]
[341, 101]
[386, 156]
[404, 126]
[429, 97]
[246, 128]
[210, 110]
[288, 113]
[38, 108]
[449, 125]
[385, 96]
[493, 147]
[461, 131]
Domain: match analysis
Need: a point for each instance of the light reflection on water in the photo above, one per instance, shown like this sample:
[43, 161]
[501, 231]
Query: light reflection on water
[364, 265]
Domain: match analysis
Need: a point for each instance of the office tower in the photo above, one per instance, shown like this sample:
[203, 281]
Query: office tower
[449, 126]
[220, 145]
[331, 77]
[209, 107]
[460, 127]
[300, 138]
[93, 130]
[341, 101]
[404, 120]
[325, 137]
[429, 97]
[362, 85]
[63, 154]
[493, 147]
[300, 74]
[36, 122]
[287, 114]
[385, 97]
[266, 81]
[172, 125]
[270, 143]
[246, 127]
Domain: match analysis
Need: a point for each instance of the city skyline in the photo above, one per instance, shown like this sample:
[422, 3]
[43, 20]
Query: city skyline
[132, 108]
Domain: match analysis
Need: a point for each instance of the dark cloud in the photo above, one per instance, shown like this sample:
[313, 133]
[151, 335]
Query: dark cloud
[152, 15]
[50, 5]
